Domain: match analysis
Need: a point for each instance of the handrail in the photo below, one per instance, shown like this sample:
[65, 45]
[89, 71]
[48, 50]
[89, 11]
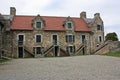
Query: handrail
[28, 50]
[100, 48]
[48, 49]
[81, 46]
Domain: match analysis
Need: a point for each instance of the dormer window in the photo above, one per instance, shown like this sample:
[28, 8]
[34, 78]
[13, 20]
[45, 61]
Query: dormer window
[69, 25]
[38, 25]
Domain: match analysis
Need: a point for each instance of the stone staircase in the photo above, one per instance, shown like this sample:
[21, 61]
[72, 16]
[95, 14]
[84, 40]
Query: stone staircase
[102, 49]
[63, 48]
[78, 50]
[29, 51]
[47, 50]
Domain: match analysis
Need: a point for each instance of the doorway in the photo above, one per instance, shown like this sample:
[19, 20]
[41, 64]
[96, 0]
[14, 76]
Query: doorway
[56, 51]
[20, 52]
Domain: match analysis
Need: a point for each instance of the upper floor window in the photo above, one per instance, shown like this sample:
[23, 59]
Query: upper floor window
[38, 25]
[70, 38]
[69, 25]
[38, 38]
[21, 39]
[100, 38]
[99, 27]
[83, 38]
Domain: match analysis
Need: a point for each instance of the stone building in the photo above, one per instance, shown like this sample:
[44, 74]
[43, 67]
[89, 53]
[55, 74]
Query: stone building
[41, 36]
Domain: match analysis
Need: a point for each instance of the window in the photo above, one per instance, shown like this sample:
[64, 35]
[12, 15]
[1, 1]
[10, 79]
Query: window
[38, 25]
[100, 39]
[70, 49]
[21, 39]
[38, 38]
[99, 27]
[69, 25]
[70, 38]
[83, 38]
[38, 50]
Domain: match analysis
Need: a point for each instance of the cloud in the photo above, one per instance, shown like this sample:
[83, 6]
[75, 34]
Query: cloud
[109, 9]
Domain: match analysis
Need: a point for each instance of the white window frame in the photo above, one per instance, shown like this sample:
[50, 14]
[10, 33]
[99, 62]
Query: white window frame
[71, 25]
[85, 37]
[36, 48]
[99, 38]
[73, 47]
[23, 36]
[72, 37]
[57, 38]
[36, 38]
[36, 25]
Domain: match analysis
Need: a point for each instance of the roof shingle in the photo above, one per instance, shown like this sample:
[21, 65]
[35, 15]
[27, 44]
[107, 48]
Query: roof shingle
[52, 23]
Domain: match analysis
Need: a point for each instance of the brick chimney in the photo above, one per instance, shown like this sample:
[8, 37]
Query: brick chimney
[83, 15]
[12, 11]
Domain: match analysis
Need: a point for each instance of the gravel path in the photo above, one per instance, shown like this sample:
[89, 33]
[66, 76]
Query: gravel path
[93, 67]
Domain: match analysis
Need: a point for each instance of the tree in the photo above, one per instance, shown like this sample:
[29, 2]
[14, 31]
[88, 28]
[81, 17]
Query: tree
[111, 36]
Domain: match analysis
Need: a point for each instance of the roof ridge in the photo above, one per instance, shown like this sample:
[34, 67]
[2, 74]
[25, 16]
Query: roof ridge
[45, 16]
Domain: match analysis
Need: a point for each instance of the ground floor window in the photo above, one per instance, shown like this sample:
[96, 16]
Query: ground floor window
[38, 50]
[70, 49]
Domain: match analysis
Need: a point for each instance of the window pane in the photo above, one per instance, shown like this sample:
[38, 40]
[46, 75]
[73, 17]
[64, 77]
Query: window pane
[38, 50]
[83, 38]
[69, 25]
[38, 38]
[38, 24]
[70, 38]
[98, 27]
[100, 39]
[70, 49]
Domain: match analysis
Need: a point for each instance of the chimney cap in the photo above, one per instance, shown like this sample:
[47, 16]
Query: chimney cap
[83, 14]
[97, 14]
[12, 11]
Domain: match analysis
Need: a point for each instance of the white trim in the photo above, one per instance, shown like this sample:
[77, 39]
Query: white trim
[81, 37]
[99, 38]
[36, 24]
[57, 38]
[58, 54]
[23, 36]
[41, 38]
[71, 25]
[69, 48]
[70, 35]
[23, 43]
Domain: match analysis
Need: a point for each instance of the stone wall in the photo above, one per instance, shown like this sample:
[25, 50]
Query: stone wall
[114, 46]
[47, 39]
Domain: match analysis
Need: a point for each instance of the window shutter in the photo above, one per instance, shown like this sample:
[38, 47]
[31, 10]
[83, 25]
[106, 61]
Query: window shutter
[66, 38]
[73, 38]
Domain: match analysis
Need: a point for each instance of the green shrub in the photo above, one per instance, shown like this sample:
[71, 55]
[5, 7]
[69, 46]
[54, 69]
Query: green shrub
[116, 54]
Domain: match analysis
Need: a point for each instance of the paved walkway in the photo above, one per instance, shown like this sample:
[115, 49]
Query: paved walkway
[66, 68]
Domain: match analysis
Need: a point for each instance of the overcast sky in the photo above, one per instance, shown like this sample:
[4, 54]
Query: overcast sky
[108, 9]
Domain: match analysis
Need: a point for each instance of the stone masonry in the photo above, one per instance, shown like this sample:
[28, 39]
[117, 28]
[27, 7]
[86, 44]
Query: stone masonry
[93, 38]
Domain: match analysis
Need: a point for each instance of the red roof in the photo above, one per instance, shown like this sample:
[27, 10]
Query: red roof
[51, 23]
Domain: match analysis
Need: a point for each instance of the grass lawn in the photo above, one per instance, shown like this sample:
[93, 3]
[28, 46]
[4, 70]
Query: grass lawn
[115, 54]
[3, 60]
